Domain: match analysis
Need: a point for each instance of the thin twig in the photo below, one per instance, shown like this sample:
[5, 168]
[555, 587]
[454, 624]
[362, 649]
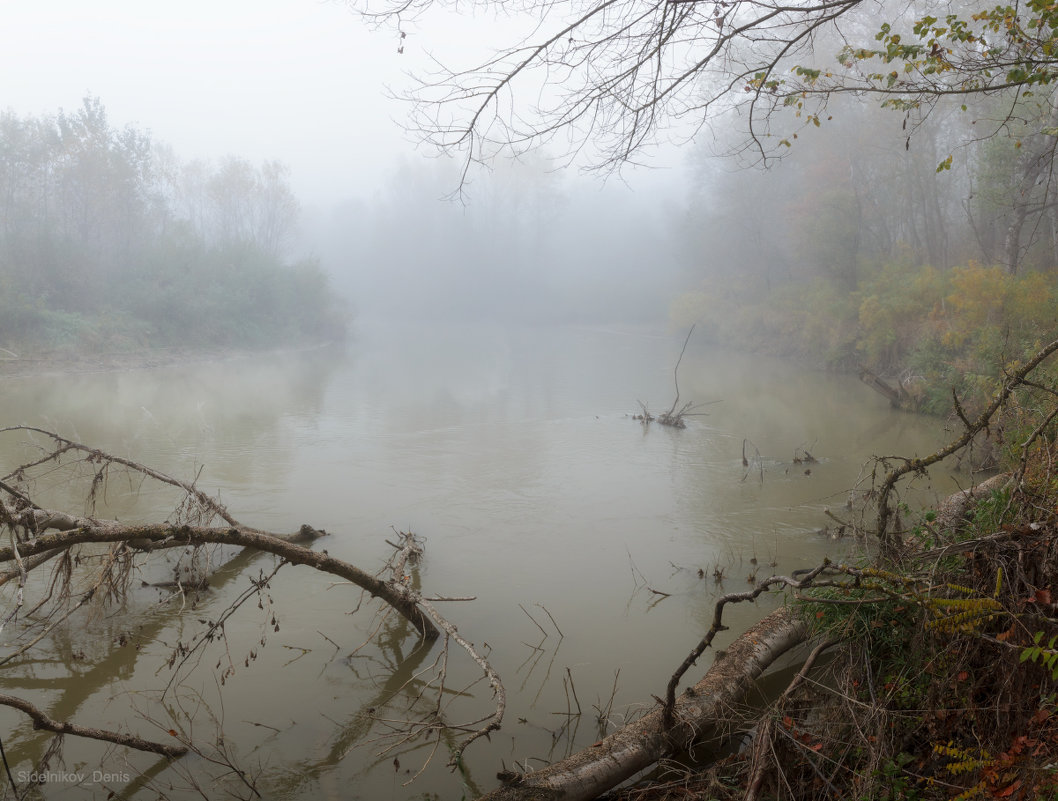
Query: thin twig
[676, 371]
[534, 621]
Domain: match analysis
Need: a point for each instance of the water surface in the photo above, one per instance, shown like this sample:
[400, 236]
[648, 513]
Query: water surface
[513, 452]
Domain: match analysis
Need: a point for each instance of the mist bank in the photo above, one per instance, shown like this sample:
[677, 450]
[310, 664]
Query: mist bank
[925, 253]
[109, 243]
[524, 242]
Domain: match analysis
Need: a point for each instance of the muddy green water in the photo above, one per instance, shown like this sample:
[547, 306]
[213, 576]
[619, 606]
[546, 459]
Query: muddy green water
[513, 453]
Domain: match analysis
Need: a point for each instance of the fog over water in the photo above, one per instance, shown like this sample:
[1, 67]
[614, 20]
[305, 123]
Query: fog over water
[306, 84]
[511, 449]
[476, 381]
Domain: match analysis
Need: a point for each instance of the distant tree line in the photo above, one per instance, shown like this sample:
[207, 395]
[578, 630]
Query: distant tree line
[931, 254]
[108, 242]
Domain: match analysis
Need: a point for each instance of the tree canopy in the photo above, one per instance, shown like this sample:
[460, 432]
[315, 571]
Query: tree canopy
[609, 78]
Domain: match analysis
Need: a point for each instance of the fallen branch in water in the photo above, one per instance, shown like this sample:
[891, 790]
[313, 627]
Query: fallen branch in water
[718, 626]
[42, 722]
[39, 536]
[674, 417]
[698, 712]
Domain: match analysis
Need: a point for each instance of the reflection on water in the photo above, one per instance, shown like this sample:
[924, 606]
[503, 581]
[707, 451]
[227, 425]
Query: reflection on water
[511, 450]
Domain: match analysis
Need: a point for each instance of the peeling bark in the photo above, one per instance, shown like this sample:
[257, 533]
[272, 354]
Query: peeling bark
[699, 712]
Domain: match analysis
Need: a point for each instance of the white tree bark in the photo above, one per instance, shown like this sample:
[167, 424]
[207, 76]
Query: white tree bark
[640, 744]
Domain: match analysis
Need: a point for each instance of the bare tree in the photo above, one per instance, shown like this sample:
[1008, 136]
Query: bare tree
[608, 78]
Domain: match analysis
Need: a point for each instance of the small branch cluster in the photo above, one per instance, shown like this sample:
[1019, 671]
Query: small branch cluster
[675, 416]
[890, 539]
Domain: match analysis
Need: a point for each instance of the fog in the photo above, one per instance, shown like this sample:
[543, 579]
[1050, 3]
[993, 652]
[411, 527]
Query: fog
[402, 231]
[528, 244]
[308, 85]
[302, 82]
[349, 329]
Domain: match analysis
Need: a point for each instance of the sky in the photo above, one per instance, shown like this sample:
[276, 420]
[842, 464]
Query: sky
[302, 81]
[299, 80]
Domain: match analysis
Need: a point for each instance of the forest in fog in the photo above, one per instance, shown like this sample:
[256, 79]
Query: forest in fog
[926, 252]
[110, 242]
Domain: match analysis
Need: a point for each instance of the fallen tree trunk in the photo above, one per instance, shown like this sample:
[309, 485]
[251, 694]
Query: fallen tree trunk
[896, 399]
[698, 712]
[952, 511]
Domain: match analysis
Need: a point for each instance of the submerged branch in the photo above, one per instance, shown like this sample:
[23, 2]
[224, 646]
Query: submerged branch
[42, 721]
[39, 534]
[164, 535]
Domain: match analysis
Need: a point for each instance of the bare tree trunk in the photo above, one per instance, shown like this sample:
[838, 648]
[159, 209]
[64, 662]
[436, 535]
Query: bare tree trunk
[1034, 162]
[699, 712]
[1012, 239]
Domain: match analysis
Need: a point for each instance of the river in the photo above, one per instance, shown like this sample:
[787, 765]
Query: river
[513, 452]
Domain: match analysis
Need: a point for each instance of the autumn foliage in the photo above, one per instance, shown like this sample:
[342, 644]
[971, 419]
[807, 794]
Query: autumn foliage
[931, 329]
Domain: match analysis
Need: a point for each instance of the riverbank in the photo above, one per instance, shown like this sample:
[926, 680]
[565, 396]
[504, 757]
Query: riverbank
[928, 331]
[60, 362]
[943, 674]
[941, 683]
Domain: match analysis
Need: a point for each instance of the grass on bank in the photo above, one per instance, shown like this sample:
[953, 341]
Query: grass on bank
[231, 297]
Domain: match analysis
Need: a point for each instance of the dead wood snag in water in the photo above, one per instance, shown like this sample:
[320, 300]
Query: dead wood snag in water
[676, 415]
[96, 559]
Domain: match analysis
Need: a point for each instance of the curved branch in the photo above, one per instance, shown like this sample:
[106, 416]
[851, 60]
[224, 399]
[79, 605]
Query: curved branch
[1013, 381]
[42, 721]
[718, 626]
[67, 445]
[151, 536]
[493, 722]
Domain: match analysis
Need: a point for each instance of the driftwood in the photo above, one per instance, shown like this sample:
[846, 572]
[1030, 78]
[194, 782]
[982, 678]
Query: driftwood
[43, 722]
[896, 398]
[37, 535]
[73, 531]
[698, 713]
[952, 511]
